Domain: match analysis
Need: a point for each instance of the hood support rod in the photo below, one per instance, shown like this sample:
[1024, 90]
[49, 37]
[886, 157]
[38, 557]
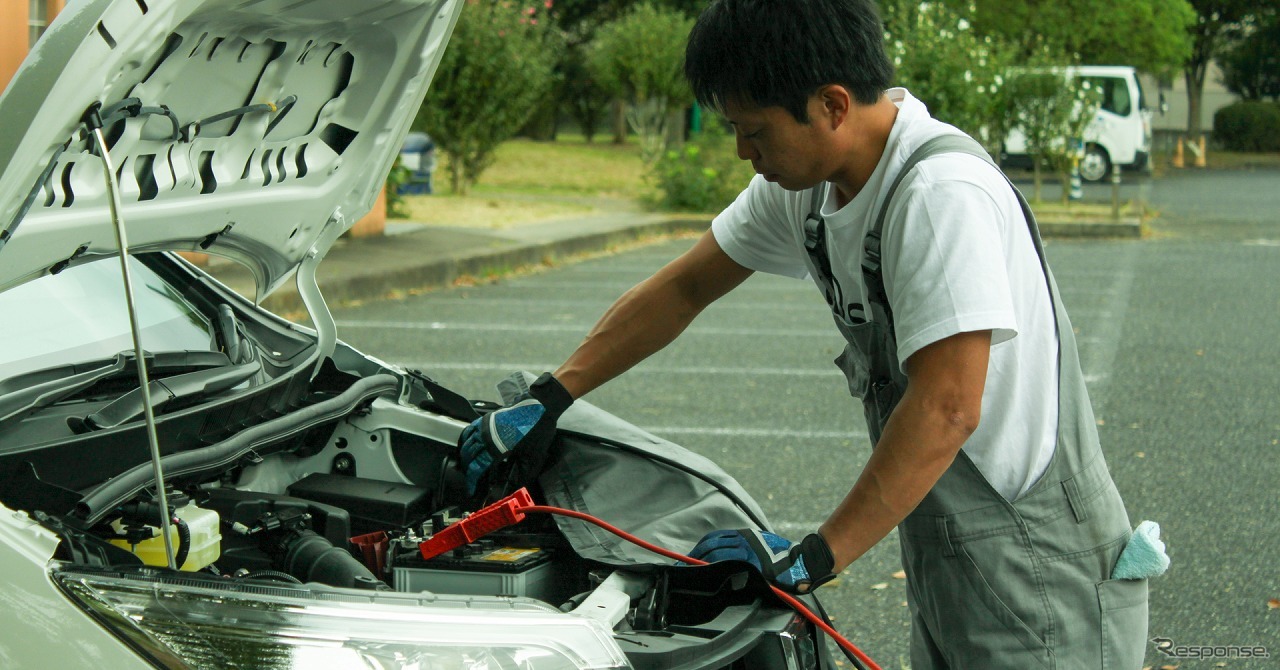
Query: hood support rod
[94, 121]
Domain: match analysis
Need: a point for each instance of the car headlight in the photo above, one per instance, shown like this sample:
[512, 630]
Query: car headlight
[186, 624]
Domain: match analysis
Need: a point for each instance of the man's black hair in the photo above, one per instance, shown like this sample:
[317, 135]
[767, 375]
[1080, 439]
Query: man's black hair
[780, 52]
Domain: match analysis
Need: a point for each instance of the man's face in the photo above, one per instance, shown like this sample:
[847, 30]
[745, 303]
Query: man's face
[794, 155]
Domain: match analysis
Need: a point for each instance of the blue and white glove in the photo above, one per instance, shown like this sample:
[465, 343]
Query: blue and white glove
[796, 568]
[520, 433]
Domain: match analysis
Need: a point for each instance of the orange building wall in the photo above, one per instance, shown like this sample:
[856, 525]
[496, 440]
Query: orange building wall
[13, 38]
[14, 33]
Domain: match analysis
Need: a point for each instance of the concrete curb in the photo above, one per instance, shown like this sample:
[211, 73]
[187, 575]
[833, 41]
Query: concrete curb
[1128, 227]
[373, 279]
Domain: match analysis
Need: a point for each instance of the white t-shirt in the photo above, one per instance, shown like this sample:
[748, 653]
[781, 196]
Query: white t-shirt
[956, 256]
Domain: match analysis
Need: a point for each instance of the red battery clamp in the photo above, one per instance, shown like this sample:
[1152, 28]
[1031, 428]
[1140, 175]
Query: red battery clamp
[476, 525]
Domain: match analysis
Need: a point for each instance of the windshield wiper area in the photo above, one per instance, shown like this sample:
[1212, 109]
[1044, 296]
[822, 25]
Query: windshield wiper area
[33, 390]
[167, 392]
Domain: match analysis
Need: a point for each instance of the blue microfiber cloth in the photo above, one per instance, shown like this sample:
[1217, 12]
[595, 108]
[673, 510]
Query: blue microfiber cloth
[1144, 556]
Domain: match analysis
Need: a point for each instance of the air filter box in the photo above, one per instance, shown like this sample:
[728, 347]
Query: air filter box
[373, 504]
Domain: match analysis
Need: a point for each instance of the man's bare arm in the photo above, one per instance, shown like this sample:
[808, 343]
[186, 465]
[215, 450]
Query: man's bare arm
[650, 315]
[938, 412]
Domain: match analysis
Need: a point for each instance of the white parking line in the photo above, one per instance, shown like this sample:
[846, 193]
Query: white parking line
[829, 333]
[620, 287]
[728, 303]
[640, 369]
[789, 528]
[1105, 328]
[666, 431]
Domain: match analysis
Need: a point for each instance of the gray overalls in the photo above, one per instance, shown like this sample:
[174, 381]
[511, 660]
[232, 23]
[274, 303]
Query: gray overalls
[993, 583]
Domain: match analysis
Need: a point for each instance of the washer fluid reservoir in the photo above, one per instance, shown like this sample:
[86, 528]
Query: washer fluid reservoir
[205, 546]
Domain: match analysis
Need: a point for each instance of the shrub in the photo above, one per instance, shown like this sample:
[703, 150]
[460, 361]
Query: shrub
[1248, 126]
[704, 175]
[497, 68]
[397, 177]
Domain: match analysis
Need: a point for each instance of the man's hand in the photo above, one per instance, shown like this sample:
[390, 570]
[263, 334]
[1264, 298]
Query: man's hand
[522, 431]
[797, 568]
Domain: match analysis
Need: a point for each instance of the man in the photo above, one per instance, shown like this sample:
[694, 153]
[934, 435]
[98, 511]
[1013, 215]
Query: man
[986, 454]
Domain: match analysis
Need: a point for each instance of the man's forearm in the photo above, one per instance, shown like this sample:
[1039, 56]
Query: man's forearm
[939, 410]
[912, 456]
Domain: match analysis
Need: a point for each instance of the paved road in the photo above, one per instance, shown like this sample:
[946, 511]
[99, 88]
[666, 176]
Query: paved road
[1178, 340]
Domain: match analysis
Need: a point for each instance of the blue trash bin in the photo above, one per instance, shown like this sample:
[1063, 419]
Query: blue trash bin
[418, 154]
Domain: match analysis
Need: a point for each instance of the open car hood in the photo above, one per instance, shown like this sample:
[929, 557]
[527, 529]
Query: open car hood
[245, 128]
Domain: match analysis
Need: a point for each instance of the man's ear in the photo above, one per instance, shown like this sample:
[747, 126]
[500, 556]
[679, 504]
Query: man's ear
[836, 103]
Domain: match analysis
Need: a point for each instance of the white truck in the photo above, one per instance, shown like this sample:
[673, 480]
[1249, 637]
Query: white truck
[1120, 133]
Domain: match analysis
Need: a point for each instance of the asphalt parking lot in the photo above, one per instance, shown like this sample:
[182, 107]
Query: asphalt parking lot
[1177, 335]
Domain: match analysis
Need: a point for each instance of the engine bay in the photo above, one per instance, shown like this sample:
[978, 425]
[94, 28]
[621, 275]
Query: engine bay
[346, 503]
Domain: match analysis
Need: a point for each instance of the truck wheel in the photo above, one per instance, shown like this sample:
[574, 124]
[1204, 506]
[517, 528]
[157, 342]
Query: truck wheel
[1096, 164]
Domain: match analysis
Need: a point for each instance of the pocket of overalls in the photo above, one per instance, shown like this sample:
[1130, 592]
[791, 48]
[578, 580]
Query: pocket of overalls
[1123, 608]
[1012, 596]
[853, 364]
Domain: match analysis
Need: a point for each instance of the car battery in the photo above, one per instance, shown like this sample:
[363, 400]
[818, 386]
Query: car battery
[485, 568]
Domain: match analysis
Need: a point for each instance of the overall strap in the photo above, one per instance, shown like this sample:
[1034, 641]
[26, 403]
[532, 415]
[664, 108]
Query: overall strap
[816, 234]
[815, 245]
[872, 275]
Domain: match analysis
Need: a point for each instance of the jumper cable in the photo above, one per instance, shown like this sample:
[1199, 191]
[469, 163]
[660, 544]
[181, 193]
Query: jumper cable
[511, 510]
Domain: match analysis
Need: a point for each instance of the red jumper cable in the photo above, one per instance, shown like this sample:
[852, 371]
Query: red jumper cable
[511, 510]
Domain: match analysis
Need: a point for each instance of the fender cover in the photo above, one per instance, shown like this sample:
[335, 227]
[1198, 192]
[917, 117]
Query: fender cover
[641, 483]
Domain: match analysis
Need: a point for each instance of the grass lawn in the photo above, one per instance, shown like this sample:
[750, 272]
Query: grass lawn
[1162, 161]
[536, 181]
[1083, 211]
[569, 166]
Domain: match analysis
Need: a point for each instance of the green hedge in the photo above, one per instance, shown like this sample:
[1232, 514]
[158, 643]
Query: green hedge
[1248, 126]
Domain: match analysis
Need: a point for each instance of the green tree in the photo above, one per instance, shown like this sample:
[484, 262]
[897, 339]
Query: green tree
[638, 58]
[1251, 68]
[585, 16]
[1150, 35]
[955, 71]
[580, 19]
[1216, 26]
[497, 67]
[588, 103]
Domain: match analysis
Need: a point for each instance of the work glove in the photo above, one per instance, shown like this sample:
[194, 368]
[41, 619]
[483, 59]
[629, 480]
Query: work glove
[796, 568]
[520, 433]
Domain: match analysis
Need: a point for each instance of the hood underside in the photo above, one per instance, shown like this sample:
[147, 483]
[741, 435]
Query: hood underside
[244, 128]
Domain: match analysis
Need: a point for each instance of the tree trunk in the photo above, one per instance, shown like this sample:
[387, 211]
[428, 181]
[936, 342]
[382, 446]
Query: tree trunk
[457, 176]
[619, 121]
[1203, 48]
[649, 118]
[677, 122]
[1195, 73]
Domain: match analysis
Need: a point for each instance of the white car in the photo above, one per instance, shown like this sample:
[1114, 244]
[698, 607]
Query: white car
[297, 476]
[1120, 133]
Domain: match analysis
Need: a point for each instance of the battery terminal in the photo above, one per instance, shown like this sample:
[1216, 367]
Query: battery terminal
[476, 525]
